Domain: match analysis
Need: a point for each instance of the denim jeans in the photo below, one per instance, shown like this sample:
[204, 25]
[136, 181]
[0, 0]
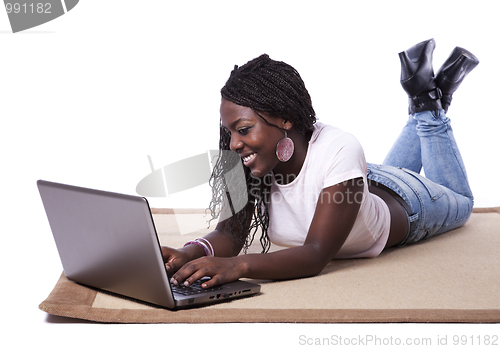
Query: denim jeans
[440, 201]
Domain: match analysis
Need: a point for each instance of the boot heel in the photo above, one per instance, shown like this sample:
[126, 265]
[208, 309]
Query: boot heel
[416, 67]
[451, 74]
[417, 77]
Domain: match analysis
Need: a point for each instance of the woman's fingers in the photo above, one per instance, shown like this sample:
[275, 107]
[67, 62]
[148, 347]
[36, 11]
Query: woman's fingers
[190, 273]
[172, 258]
[221, 270]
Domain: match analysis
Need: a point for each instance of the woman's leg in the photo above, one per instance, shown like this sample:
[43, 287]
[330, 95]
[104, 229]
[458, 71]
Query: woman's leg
[442, 200]
[417, 79]
[441, 157]
[433, 208]
[427, 139]
[406, 151]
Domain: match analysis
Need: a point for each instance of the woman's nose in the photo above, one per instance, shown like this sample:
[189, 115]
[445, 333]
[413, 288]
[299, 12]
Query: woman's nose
[235, 144]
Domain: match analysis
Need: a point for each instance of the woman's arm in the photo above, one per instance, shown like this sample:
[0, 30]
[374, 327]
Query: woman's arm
[223, 243]
[335, 214]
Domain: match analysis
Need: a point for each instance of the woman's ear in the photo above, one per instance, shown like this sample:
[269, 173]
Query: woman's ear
[287, 124]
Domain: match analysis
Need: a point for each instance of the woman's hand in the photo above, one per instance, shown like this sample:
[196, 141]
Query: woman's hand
[221, 270]
[174, 259]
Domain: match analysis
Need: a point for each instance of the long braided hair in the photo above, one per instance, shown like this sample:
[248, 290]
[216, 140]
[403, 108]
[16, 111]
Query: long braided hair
[271, 87]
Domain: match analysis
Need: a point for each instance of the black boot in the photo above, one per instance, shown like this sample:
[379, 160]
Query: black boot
[452, 73]
[417, 77]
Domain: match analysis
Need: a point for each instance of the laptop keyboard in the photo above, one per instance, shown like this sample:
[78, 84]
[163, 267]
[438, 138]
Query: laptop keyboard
[194, 289]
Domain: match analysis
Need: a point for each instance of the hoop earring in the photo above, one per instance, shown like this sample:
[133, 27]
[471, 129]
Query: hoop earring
[284, 149]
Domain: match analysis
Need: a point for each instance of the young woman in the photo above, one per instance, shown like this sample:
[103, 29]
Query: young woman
[309, 186]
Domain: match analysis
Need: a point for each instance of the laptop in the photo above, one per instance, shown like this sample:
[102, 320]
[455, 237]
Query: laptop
[108, 241]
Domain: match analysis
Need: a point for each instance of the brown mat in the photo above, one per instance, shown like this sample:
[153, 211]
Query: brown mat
[454, 277]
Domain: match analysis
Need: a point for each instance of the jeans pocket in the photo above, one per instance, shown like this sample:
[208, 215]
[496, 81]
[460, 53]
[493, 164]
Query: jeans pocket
[435, 191]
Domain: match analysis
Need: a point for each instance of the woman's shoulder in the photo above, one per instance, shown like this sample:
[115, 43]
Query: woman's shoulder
[324, 134]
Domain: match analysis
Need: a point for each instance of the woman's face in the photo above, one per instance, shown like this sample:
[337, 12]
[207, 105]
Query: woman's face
[251, 137]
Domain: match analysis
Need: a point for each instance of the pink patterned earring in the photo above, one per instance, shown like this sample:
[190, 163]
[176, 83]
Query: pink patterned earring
[284, 149]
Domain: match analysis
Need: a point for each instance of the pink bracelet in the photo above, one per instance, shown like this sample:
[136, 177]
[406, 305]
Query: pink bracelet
[212, 252]
[205, 248]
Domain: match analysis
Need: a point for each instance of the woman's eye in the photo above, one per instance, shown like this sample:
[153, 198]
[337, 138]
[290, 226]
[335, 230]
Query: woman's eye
[244, 131]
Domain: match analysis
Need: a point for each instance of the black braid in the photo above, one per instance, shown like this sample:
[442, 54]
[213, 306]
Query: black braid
[267, 86]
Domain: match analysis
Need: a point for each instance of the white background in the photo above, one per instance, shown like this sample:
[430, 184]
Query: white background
[85, 98]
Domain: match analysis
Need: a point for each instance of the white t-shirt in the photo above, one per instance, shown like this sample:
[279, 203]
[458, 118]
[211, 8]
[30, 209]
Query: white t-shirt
[333, 156]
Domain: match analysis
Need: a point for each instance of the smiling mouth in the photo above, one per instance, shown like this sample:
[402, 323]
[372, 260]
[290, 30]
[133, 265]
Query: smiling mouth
[248, 158]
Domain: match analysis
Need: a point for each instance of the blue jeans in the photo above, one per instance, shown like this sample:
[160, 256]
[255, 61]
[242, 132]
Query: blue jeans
[440, 201]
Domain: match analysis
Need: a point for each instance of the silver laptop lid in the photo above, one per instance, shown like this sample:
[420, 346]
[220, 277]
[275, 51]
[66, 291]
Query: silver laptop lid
[107, 240]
